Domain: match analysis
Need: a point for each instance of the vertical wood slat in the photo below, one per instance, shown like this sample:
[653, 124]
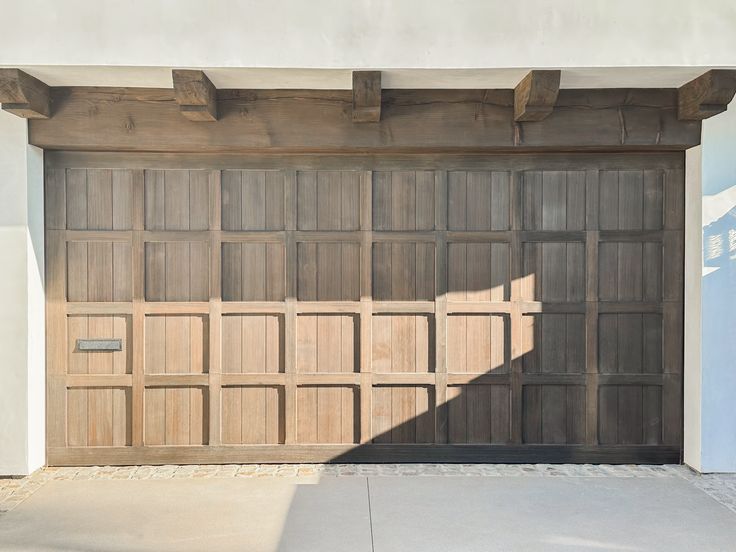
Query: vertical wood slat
[592, 194]
[138, 319]
[290, 321]
[516, 320]
[440, 310]
[215, 308]
[366, 307]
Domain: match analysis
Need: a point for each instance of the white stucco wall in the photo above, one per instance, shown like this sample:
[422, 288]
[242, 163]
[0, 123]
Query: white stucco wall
[22, 381]
[370, 33]
[710, 326]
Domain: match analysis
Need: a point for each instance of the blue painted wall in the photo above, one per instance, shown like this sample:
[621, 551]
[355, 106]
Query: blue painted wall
[719, 294]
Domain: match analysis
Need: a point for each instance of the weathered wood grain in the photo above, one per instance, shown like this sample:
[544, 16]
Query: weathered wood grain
[24, 95]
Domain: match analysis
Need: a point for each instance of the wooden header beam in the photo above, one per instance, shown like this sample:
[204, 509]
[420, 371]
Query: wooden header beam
[535, 95]
[707, 95]
[320, 121]
[24, 95]
[366, 96]
[195, 94]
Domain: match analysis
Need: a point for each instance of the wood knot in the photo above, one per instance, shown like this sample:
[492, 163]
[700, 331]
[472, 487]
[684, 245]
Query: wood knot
[129, 125]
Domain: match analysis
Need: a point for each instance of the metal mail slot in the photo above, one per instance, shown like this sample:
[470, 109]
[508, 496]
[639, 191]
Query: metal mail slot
[99, 344]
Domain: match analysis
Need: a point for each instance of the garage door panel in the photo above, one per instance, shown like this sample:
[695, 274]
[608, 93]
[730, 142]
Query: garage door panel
[553, 343]
[478, 272]
[403, 271]
[98, 417]
[402, 343]
[479, 414]
[328, 200]
[403, 200]
[252, 200]
[554, 414]
[403, 414]
[327, 414]
[252, 415]
[99, 327]
[478, 200]
[327, 343]
[252, 344]
[176, 416]
[177, 271]
[524, 303]
[555, 272]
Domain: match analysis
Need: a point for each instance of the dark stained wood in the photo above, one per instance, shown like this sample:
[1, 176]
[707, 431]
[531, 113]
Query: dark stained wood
[195, 94]
[366, 96]
[535, 95]
[373, 453]
[412, 121]
[707, 95]
[24, 95]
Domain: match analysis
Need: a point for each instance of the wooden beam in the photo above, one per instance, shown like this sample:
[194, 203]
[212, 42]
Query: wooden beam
[320, 121]
[195, 94]
[24, 95]
[707, 95]
[366, 96]
[535, 96]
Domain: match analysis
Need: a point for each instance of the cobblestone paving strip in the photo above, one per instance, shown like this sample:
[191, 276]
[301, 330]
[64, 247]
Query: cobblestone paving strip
[14, 491]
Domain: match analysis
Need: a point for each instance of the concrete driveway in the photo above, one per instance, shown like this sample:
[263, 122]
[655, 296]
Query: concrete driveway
[366, 508]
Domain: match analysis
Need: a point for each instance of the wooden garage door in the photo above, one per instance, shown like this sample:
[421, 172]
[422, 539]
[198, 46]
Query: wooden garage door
[498, 308]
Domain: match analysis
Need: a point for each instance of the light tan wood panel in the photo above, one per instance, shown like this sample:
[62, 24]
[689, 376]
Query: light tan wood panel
[328, 271]
[478, 343]
[479, 414]
[176, 200]
[176, 416]
[403, 343]
[98, 417]
[403, 200]
[99, 327]
[177, 271]
[328, 200]
[99, 271]
[478, 272]
[478, 200]
[327, 414]
[403, 414]
[176, 344]
[553, 343]
[327, 343]
[252, 415]
[252, 344]
[252, 200]
[403, 271]
[253, 272]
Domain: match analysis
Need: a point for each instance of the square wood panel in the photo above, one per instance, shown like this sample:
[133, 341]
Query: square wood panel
[478, 200]
[98, 199]
[630, 271]
[403, 414]
[403, 271]
[252, 415]
[176, 344]
[327, 414]
[177, 199]
[328, 200]
[554, 272]
[328, 271]
[176, 416]
[553, 414]
[99, 271]
[98, 417]
[478, 343]
[252, 200]
[403, 200]
[177, 271]
[327, 343]
[403, 343]
[630, 414]
[553, 343]
[252, 344]
[478, 272]
[99, 327]
[630, 343]
[479, 413]
[253, 272]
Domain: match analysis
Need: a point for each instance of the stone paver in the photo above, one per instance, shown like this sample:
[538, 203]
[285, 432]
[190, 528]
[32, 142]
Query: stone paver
[13, 491]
